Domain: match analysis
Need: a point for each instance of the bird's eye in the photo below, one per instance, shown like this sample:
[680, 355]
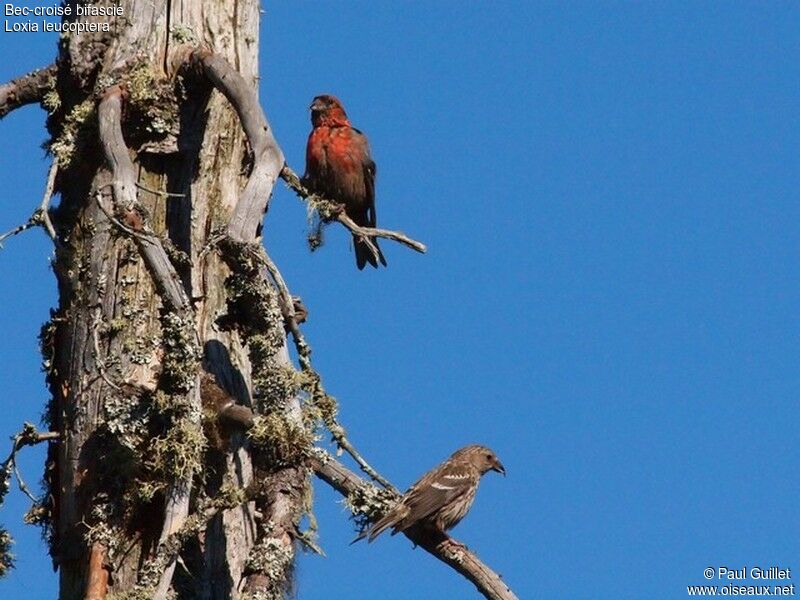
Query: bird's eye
[489, 456]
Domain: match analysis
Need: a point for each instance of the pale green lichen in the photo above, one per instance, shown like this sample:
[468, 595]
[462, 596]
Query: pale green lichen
[127, 418]
[75, 129]
[143, 492]
[178, 454]
[181, 355]
[253, 305]
[51, 101]
[37, 514]
[144, 593]
[6, 541]
[273, 382]
[183, 34]
[272, 557]
[368, 503]
[153, 99]
[6, 558]
[284, 442]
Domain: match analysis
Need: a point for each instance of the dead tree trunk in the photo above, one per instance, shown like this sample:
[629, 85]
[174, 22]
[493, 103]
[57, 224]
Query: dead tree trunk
[151, 165]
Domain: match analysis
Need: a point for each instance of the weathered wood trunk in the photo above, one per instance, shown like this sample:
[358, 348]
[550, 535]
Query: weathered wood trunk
[121, 359]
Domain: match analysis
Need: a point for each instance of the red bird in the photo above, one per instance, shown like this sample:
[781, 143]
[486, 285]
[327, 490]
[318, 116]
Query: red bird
[339, 167]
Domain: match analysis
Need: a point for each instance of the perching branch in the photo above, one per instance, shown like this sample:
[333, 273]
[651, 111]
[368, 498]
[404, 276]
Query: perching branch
[452, 553]
[254, 200]
[269, 164]
[333, 211]
[27, 89]
[446, 549]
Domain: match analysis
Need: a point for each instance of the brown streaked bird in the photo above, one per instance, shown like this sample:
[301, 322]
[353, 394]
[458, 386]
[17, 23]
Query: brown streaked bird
[441, 498]
[339, 167]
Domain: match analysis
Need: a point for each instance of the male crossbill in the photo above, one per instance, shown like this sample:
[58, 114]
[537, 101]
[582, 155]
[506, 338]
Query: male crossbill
[339, 167]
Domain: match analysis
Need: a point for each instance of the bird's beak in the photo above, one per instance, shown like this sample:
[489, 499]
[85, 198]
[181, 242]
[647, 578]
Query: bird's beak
[498, 466]
[316, 106]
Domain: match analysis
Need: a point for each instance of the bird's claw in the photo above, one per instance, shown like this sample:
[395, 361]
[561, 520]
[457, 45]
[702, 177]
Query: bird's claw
[453, 546]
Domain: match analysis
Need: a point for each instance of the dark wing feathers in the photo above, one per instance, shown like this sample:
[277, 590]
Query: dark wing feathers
[437, 489]
[369, 186]
[367, 215]
[365, 155]
[428, 500]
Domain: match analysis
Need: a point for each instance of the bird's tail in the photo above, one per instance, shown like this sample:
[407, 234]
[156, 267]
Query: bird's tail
[379, 527]
[364, 254]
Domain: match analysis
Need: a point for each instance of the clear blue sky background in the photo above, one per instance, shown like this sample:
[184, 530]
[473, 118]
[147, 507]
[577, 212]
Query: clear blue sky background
[610, 196]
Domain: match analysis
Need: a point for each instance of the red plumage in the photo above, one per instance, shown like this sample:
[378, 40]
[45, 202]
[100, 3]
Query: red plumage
[339, 167]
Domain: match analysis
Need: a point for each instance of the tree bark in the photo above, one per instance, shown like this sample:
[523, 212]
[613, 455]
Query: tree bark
[123, 370]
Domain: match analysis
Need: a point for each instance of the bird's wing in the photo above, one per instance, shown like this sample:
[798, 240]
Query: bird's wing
[362, 144]
[435, 490]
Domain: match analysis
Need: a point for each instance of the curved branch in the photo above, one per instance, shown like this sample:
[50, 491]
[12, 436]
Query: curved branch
[268, 157]
[283, 490]
[446, 549]
[27, 89]
[333, 211]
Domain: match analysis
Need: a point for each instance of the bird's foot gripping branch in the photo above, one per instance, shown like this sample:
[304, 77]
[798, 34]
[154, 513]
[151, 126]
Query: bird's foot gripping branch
[333, 211]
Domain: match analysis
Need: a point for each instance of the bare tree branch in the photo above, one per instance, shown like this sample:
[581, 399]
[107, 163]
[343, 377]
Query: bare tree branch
[29, 436]
[283, 491]
[17, 230]
[253, 203]
[27, 89]
[333, 211]
[41, 216]
[446, 549]
[43, 213]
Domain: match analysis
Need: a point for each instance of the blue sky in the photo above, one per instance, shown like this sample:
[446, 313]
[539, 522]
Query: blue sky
[609, 192]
